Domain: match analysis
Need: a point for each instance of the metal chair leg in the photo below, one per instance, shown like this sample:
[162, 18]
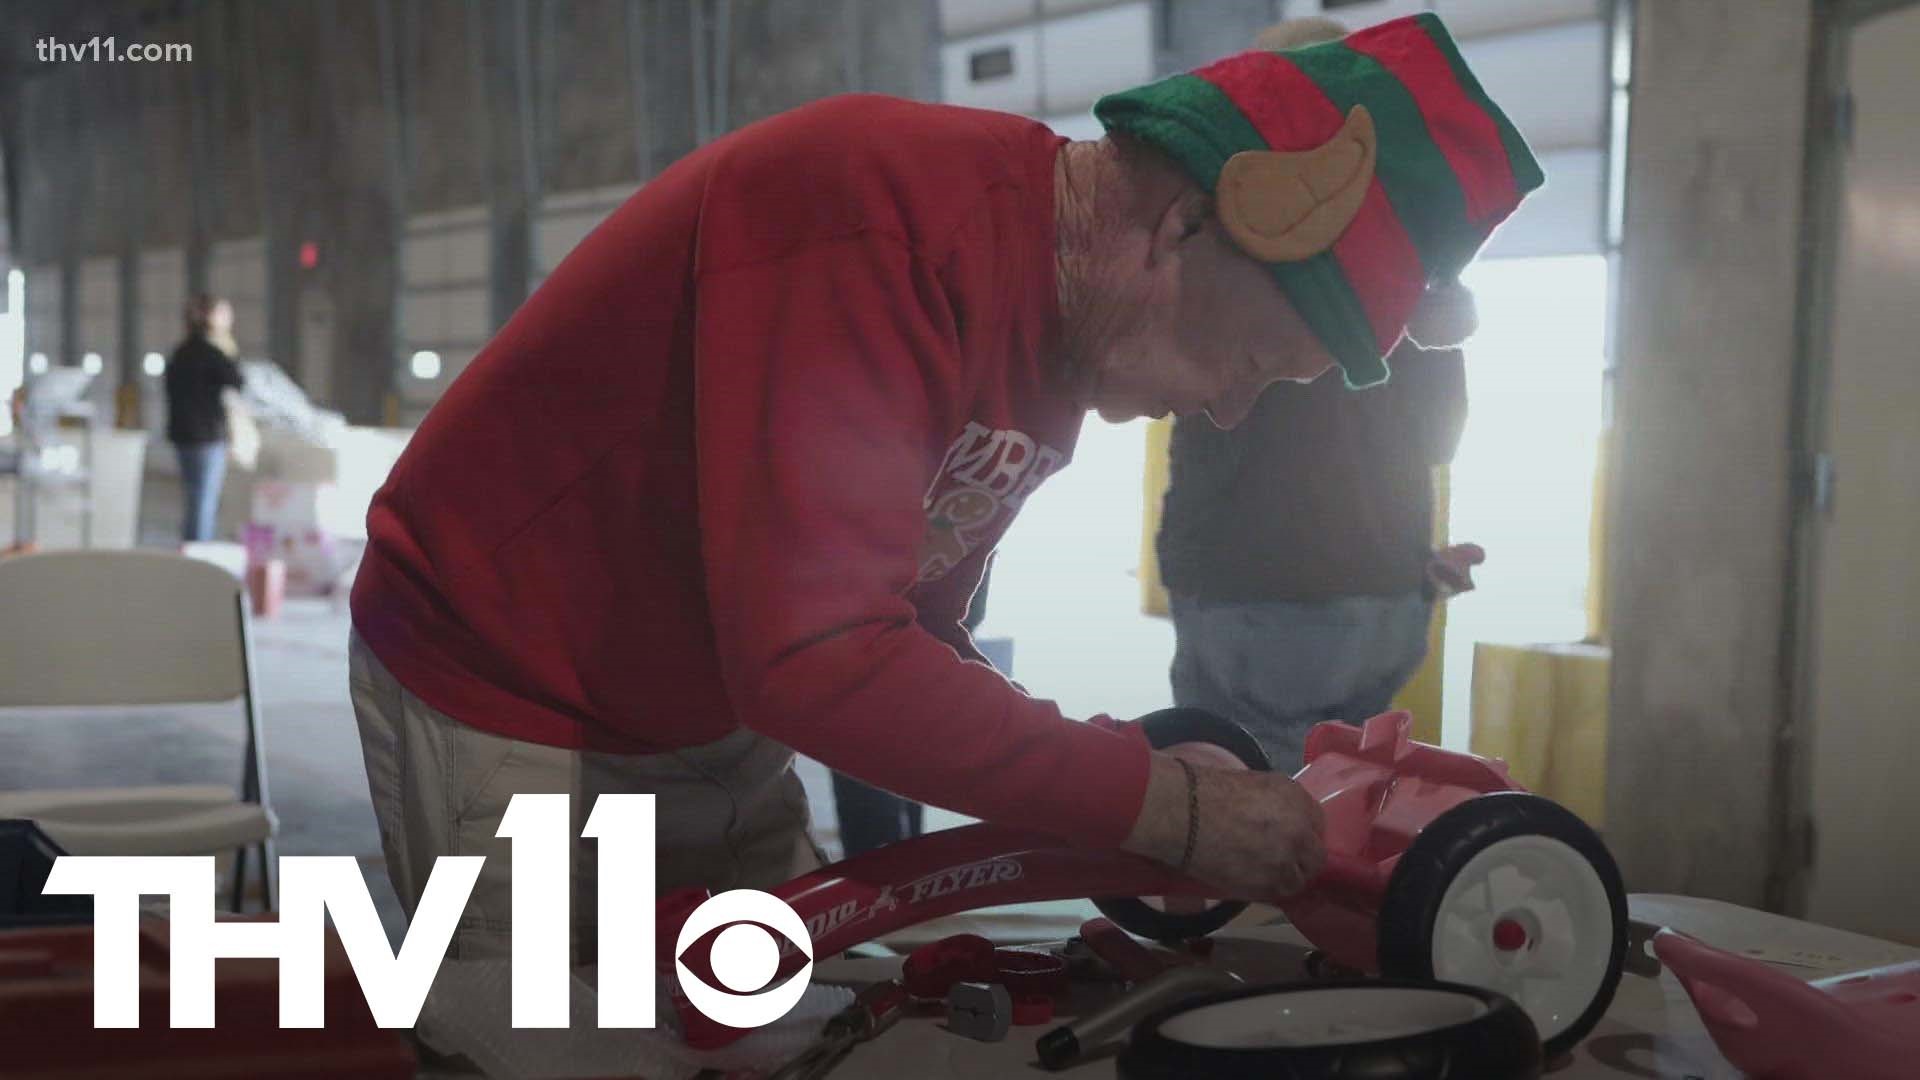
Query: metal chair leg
[269, 878]
[239, 881]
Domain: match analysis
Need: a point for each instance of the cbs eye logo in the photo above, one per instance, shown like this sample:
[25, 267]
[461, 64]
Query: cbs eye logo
[743, 957]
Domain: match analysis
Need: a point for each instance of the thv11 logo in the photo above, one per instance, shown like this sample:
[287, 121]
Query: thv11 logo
[313, 887]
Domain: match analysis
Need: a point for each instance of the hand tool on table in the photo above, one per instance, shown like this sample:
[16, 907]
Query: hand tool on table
[1067, 1043]
[1158, 977]
[873, 1011]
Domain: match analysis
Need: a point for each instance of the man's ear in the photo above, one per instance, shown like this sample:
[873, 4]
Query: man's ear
[1183, 219]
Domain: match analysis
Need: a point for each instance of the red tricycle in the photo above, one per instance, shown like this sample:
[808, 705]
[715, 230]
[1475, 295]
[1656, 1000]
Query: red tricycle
[1439, 867]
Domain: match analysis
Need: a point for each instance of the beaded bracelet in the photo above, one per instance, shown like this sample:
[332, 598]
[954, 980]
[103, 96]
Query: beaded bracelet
[1193, 812]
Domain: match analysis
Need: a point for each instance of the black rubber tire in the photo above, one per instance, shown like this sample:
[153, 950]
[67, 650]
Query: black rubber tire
[1170, 727]
[1501, 1044]
[1420, 880]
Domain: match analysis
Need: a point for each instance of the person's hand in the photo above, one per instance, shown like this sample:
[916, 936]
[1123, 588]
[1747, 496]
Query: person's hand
[1451, 568]
[1258, 834]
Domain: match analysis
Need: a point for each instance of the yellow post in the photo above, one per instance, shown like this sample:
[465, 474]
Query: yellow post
[1153, 594]
[1597, 607]
[1543, 710]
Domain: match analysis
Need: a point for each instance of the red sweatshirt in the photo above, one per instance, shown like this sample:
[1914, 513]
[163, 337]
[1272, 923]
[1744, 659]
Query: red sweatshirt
[739, 461]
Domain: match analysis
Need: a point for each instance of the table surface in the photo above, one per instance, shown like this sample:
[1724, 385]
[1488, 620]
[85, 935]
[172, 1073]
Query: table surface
[1651, 1031]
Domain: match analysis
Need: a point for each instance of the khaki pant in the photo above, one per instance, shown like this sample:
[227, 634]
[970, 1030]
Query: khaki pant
[730, 814]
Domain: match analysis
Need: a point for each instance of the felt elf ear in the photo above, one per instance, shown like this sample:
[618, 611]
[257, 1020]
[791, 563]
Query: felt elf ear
[1290, 206]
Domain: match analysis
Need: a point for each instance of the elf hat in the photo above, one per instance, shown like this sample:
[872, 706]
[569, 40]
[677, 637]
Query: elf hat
[1364, 171]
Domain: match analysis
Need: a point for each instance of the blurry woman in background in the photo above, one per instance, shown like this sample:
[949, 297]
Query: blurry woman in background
[199, 374]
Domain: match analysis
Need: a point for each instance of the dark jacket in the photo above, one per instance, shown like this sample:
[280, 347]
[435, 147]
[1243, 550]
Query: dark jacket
[1321, 492]
[197, 373]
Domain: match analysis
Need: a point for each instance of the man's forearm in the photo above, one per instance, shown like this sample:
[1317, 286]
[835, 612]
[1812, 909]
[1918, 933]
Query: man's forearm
[1160, 831]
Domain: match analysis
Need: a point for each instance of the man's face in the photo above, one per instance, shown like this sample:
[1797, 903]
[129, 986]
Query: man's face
[1202, 329]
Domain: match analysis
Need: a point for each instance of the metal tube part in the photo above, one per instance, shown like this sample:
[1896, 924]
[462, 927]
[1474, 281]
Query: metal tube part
[1065, 1044]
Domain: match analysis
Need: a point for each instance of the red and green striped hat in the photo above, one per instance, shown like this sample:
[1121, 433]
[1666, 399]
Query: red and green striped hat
[1448, 166]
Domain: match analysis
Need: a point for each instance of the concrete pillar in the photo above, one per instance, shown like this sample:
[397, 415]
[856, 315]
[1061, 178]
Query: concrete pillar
[206, 119]
[1703, 489]
[67, 351]
[639, 66]
[665, 107]
[129, 319]
[125, 159]
[503, 78]
[73, 181]
[287, 156]
[361, 209]
[773, 55]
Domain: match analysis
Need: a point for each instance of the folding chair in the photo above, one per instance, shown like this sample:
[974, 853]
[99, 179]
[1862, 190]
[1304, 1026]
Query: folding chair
[104, 628]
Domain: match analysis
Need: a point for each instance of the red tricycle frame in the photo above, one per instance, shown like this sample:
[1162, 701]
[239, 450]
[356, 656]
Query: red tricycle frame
[1379, 789]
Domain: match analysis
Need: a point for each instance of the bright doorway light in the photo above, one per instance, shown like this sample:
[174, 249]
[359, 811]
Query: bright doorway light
[1522, 481]
[92, 364]
[37, 363]
[425, 364]
[153, 364]
[1065, 584]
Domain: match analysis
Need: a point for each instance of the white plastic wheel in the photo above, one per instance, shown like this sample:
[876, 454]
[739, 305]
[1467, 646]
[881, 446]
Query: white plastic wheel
[1530, 918]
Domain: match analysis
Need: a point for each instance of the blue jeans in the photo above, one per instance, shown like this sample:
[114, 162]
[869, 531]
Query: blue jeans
[203, 468]
[1277, 668]
[871, 817]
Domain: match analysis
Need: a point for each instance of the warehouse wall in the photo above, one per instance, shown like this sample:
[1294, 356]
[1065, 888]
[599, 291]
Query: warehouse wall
[341, 123]
[1704, 405]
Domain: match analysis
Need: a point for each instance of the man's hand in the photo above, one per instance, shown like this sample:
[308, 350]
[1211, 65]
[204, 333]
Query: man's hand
[1258, 835]
[1451, 568]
